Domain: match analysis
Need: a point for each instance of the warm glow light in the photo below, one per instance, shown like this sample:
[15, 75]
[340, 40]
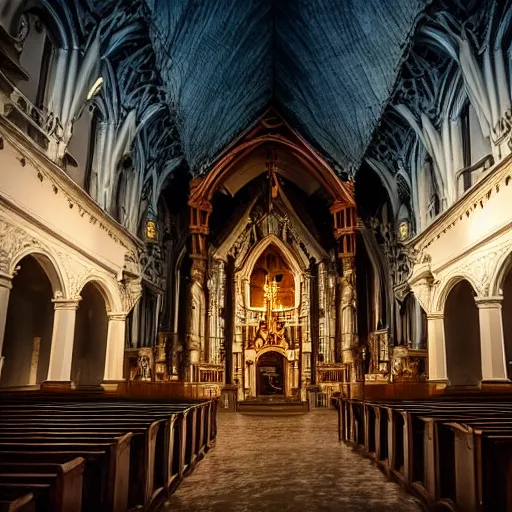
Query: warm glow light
[151, 229]
[95, 89]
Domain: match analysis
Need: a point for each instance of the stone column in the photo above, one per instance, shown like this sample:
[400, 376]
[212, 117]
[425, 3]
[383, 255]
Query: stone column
[114, 360]
[198, 253]
[436, 348]
[492, 344]
[345, 228]
[61, 355]
[5, 290]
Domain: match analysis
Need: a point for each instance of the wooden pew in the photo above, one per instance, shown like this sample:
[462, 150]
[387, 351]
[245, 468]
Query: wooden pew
[113, 479]
[18, 503]
[164, 447]
[142, 451]
[57, 487]
[425, 454]
[67, 413]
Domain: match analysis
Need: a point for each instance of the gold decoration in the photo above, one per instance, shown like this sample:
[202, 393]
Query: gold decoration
[403, 230]
[151, 229]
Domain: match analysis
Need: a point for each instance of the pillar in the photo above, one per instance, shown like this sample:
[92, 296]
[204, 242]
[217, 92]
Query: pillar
[198, 253]
[436, 348]
[492, 343]
[114, 360]
[5, 290]
[61, 355]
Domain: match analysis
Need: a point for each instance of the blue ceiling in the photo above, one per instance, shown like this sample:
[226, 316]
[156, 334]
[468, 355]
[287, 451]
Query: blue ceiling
[327, 65]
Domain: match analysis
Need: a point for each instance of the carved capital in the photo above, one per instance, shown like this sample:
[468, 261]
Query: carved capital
[493, 302]
[131, 292]
[117, 317]
[66, 304]
[5, 280]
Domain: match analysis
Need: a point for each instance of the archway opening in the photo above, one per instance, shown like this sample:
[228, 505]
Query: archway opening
[271, 374]
[90, 345]
[507, 319]
[272, 273]
[462, 336]
[29, 327]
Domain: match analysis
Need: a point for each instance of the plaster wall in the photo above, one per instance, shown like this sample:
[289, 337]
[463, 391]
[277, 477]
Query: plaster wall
[472, 224]
[31, 190]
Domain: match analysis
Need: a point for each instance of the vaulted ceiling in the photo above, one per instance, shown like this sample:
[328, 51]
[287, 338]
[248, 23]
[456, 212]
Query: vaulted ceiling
[327, 65]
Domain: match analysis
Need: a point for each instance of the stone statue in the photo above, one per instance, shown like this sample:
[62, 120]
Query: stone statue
[194, 325]
[144, 365]
[348, 309]
[261, 335]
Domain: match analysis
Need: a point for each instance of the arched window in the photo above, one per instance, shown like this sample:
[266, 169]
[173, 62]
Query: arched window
[36, 57]
[80, 150]
[271, 270]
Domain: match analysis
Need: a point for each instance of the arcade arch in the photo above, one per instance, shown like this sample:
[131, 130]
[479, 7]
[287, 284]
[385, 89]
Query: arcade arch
[90, 341]
[506, 315]
[29, 325]
[462, 336]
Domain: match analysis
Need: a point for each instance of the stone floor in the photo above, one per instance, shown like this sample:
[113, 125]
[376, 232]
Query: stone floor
[285, 463]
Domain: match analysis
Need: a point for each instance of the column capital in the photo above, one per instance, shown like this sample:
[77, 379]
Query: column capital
[118, 317]
[5, 280]
[437, 315]
[491, 302]
[68, 304]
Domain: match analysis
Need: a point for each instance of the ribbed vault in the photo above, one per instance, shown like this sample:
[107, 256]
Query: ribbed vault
[327, 65]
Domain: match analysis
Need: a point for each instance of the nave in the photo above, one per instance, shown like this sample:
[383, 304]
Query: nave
[286, 464]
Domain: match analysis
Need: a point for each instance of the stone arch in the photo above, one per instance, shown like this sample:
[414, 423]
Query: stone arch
[247, 266]
[264, 350]
[439, 301]
[28, 336]
[462, 335]
[109, 293]
[90, 337]
[499, 275]
[271, 372]
[57, 18]
[501, 285]
[49, 263]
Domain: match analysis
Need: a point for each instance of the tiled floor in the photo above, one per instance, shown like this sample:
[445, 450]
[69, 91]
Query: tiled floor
[286, 463]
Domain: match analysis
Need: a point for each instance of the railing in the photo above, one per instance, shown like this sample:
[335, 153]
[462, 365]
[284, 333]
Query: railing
[468, 176]
[209, 373]
[332, 373]
[43, 128]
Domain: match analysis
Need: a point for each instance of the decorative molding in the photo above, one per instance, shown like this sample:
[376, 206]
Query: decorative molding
[61, 182]
[475, 198]
[13, 241]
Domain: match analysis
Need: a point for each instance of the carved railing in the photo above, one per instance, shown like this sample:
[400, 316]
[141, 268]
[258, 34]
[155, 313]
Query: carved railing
[332, 373]
[43, 128]
[209, 373]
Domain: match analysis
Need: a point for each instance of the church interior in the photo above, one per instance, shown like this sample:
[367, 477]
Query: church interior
[289, 209]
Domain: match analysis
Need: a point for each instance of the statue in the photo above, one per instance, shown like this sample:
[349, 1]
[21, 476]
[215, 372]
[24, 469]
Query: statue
[194, 325]
[348, 310]
[261, 335]
[143, 370]
[402, 367]
[161, 358]
[281, 335]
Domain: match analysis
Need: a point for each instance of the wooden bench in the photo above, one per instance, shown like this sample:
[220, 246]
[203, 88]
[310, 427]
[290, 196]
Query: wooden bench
[445, 451]
[165, 443]
[56, 487]
[18, 502]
